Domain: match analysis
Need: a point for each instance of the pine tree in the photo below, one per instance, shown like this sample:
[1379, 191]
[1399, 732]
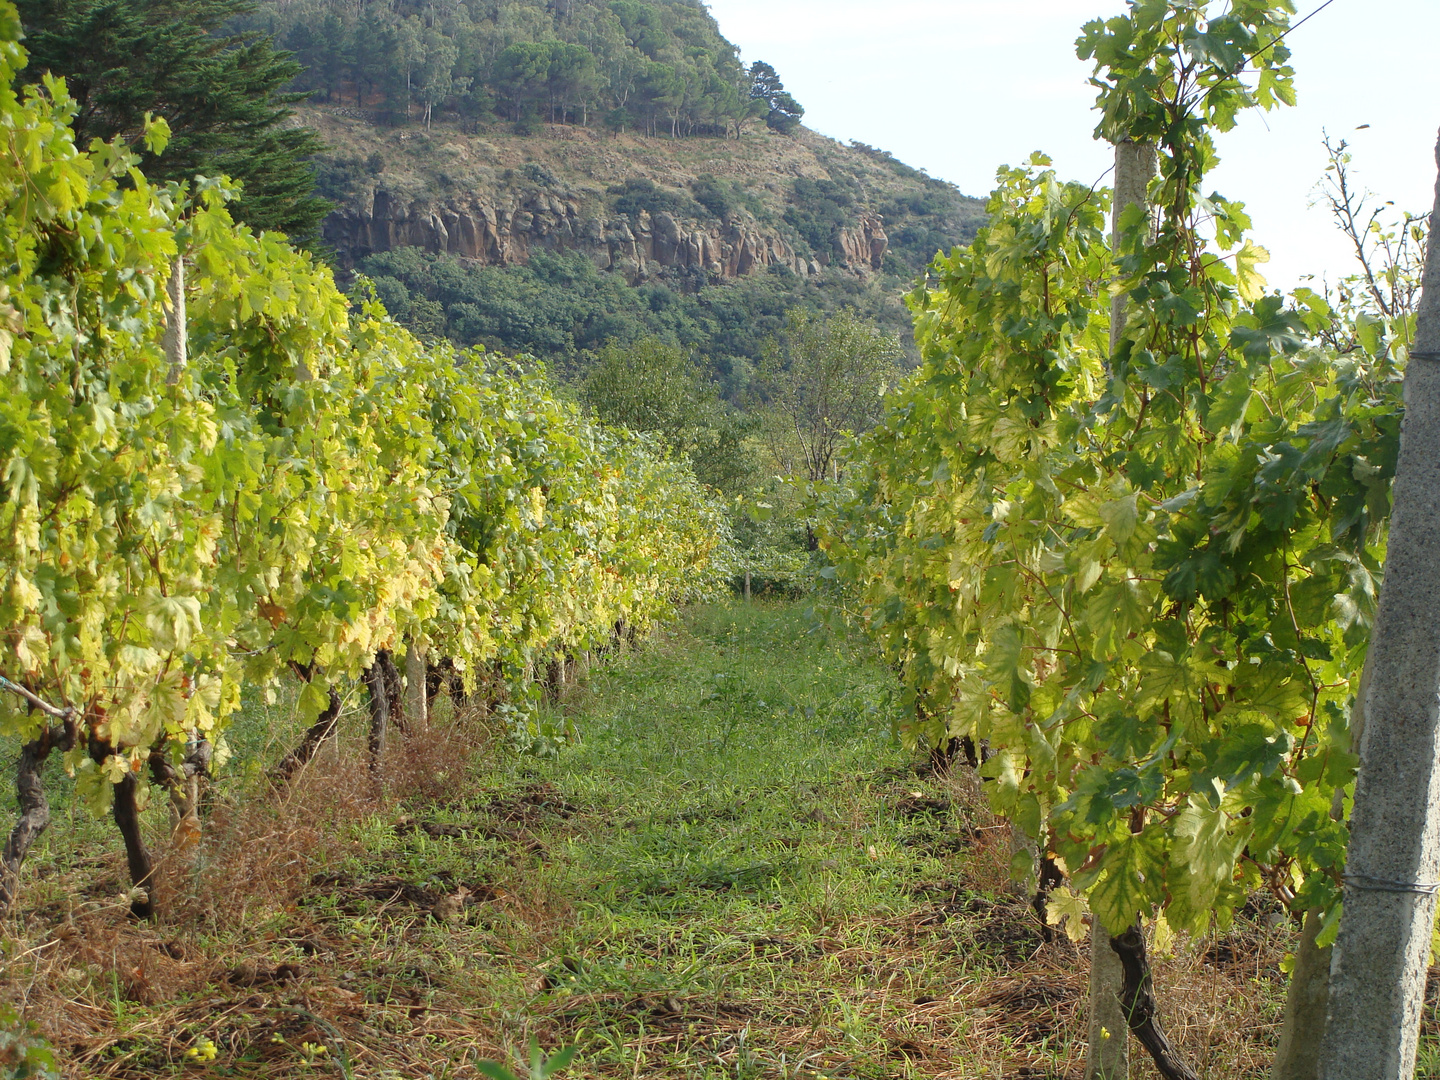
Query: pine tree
[785, 112]
[220, 92]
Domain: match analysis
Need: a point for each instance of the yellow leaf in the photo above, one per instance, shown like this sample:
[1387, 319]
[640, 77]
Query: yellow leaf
[1249, 282]
[1068, 910]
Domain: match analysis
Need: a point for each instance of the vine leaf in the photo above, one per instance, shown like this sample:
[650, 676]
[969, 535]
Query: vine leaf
[1067, 909]
[1202, 859]
[1126, 881]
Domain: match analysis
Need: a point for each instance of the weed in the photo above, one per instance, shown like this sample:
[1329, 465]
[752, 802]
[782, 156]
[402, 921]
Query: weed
[541, 1067]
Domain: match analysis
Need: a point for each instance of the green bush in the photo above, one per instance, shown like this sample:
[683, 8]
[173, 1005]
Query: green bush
[24, 1055]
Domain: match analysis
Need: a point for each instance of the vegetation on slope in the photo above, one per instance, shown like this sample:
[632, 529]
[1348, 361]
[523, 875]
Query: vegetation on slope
[805, 190]
[527, 103]
[655, 65]
[560, 306]
[213, 71]
[220, 92]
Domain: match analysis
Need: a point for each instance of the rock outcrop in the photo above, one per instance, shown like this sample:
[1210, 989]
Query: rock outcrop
[505, 232]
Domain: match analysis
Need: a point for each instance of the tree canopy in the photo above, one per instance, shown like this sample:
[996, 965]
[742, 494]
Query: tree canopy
[826, 380]
[658, 66]
[651, 387]
[782, 111]
[222, 94]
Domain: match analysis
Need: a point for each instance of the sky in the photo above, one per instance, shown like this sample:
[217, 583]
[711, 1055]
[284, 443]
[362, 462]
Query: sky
[961, 87]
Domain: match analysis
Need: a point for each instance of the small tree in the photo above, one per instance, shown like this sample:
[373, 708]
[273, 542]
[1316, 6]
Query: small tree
[574, 80]
[650, 386]
[409, 58]
[824, 379]
[437, 73]
[521, 72]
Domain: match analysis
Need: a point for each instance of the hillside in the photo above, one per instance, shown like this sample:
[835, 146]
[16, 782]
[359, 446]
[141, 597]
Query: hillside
[550, 177]
[557, 242]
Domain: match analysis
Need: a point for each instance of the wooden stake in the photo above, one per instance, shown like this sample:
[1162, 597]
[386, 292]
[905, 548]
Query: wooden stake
[176, 347]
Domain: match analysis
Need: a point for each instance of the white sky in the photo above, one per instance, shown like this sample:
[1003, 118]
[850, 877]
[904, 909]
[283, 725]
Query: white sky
[960, 87]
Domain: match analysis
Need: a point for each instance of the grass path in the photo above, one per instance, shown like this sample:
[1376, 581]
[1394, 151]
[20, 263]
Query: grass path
[735, 873]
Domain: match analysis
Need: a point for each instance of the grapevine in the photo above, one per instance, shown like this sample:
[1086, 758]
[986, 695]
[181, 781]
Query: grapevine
[1146, 577]
[299, 490]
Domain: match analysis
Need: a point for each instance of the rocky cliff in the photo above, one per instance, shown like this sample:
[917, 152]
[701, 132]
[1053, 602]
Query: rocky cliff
[805, 203]
[505, 231]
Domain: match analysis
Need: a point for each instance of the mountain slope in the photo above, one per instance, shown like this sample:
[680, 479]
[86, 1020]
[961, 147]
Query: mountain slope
[551, 176]
[690, 211]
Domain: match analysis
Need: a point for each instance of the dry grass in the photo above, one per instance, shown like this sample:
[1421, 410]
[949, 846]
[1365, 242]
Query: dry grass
[237, 955]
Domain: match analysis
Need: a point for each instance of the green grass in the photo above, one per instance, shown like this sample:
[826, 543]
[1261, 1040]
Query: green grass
[734, 872]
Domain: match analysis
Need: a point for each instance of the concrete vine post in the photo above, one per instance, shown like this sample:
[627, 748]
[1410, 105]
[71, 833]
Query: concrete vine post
[1108, 1056]
[416, 695]
[1392, 868]
[1302, 1033]
[175, 343]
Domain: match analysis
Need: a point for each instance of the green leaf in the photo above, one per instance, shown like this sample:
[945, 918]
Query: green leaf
[1249, 282]
[1120, 517]
[157, 134]
[1104, 794]
[1202, 859]
[1246, 751]
[1269, 330]
[314, 699]
[1005, 657]
[1113, 612]
[1275, 688]
[172, 620]
[559, 1060]
[1330, 928]
[1166, 680]
[1229, 401]
[1368, 332]
[1126, 881]
[1124, 736]
[1068, 909]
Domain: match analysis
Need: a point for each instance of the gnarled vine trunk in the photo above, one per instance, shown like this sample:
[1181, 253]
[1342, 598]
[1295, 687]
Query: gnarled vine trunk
[1138, 1001]
[315, 736]
[394, 689]
[126, 810]
[182, 784]
[1049, 878]
[378, 691]
[34, 809]
[443, 678]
